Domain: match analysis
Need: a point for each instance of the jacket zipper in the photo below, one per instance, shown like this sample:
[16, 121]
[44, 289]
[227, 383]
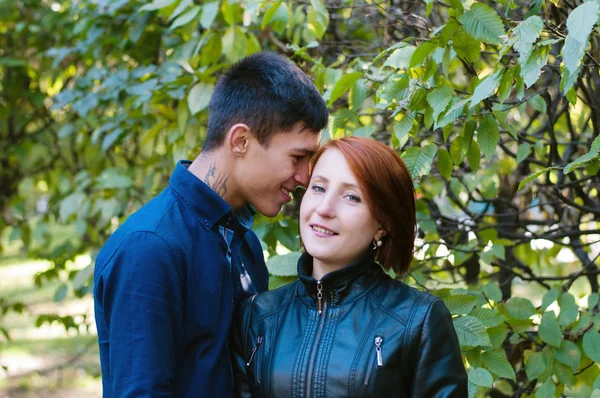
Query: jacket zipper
[259, 341]
[378, 358]
[322, 308]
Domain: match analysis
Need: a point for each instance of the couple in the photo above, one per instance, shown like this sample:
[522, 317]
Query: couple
[170, 281]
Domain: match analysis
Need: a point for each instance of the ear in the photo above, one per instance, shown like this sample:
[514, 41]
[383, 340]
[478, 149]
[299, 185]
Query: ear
[380, 233]
[238, 139]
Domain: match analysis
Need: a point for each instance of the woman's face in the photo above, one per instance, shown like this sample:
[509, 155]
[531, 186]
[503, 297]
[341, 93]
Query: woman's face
[336, 224]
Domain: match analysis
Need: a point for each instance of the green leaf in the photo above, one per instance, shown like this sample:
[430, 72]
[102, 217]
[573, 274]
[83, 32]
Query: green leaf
[569, 311]
[61, 293]
[519, 308]
[455, 110]
[199, 97]
[156, 5]
[549, 330]
[474, 156]
[419, 160]
[483, 23]
[591, 345]
[358, 93]
[496, 362]
[506, 84]
[533, 176]
[591, 156]
[404, 125]
[488, 316]
[270, 13]
[444, 163]
[439, 99]
[318, 18]
[422, 52]
[537, 103]
[523, 151]
[235, 44]
[533, 67]
[485, 88]
[497, 335]
[493, 292]
[343, 85]
[548, 389]
[470, 331]
[535, 365]
[183, 116]
[284, 265]
[580, 23]
[183, 5]
[525, 34]
[400, 58]
[480, 377]
[569, 354]
[488, 136]
[456, 150]
[209, 13]
[113, 179]
[465, 46]
[186, 17]
[83, 276]
[70, 205]
[550, 297]
[460, 304]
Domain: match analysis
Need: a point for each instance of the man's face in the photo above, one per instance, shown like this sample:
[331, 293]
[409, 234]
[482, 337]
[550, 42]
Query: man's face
[269, 175]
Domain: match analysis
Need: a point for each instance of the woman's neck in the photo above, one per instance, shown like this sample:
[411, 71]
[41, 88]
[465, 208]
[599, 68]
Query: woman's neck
[320, 268]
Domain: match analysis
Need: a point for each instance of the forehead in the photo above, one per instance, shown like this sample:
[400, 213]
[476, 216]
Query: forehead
[333, 166]
[299, 140]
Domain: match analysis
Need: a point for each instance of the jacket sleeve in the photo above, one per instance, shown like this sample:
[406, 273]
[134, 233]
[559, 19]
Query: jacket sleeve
[140, 298]
[439, 370]
[239, 333]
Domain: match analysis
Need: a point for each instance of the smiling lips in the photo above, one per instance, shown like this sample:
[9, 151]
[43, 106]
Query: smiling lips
[322, 230]
[286, 192]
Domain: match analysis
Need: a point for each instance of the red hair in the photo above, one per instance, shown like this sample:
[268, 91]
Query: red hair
[389, 194]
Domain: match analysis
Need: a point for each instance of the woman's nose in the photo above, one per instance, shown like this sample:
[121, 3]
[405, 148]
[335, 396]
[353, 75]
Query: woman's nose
[327, 207]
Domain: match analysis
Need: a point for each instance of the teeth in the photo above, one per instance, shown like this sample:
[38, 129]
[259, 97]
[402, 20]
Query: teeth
[322, 230]
[285, 191]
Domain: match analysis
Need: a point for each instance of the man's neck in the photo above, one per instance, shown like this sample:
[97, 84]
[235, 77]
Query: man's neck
[215, 172]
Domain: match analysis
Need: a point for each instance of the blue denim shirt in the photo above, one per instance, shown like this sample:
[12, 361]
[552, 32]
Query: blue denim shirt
[165, 290]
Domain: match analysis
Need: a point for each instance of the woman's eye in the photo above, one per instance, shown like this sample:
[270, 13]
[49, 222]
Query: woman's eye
[353, 198]
[317, 188]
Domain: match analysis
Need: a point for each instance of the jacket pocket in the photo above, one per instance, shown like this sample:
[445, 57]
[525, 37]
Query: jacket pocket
[374, 361]
[256, 359]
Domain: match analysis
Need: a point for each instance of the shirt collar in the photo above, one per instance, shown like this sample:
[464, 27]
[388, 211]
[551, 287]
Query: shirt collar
[206, 203]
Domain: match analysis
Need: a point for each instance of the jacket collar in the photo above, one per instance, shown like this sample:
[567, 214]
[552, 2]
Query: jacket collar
[339, 286]
[210, 208]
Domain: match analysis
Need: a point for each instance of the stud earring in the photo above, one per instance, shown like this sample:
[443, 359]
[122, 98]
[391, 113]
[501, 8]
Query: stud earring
[377, 243]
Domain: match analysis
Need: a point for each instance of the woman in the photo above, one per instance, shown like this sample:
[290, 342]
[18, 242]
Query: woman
[345, 328]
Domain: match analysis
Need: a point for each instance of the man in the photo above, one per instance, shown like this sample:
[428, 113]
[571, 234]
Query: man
[167, 280]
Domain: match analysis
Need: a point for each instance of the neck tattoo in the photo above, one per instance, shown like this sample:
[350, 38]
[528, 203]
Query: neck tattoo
[216, 181]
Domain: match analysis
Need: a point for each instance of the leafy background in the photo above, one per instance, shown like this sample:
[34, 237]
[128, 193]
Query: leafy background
[494, 106]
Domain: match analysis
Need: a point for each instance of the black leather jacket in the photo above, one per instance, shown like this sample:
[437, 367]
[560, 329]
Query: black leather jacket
[374, 337]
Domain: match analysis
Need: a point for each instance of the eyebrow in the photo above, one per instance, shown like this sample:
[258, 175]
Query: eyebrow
[304, 151]
[345, 184]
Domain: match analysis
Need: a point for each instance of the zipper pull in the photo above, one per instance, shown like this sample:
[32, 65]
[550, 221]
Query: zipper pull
[320, 296]
[259, 340]
[378, 341]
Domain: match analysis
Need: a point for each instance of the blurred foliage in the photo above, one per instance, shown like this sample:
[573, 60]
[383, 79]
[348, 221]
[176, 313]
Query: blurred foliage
[494, 106]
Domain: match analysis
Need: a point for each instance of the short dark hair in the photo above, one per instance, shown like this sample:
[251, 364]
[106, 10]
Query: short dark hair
[389, 191]
[269, 94]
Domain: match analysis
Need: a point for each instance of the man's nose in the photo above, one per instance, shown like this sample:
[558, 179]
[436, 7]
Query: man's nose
[302, 176]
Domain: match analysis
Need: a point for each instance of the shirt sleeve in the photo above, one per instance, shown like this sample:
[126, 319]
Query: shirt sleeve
[141, 300]
[440, 371]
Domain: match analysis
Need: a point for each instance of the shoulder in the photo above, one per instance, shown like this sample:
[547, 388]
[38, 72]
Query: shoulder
[268, 303]
[405, 303]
